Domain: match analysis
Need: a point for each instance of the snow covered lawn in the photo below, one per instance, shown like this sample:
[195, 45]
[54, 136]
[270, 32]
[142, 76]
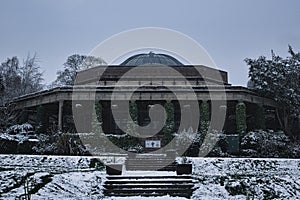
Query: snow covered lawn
[52, 177]
[238, 178]
[68, 177]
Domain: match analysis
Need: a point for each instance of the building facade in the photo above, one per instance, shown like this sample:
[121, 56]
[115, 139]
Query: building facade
[97, 85]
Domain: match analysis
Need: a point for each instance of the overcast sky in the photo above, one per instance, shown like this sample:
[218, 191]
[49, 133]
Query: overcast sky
[229, 30]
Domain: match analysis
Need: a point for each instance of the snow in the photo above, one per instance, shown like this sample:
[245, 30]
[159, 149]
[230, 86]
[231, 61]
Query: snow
[18, 137]
[21, 129]
[148, 173]
[259, 178]
[69, 177]
[59, 176]
[167, 197]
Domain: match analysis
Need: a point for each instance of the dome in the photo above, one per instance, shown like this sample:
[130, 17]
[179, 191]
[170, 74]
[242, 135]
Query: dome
[152, 59]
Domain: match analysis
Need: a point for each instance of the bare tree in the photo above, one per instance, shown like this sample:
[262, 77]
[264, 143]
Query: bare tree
[30, 75]
[17, 80]
[73, 64]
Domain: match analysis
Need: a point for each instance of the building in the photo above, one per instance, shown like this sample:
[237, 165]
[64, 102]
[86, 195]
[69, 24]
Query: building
[98, 84]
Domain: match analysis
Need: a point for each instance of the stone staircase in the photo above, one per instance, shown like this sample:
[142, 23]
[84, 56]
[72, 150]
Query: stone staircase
[149, 186]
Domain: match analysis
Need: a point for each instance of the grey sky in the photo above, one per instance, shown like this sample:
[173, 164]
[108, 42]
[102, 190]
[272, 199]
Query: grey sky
[229, 30]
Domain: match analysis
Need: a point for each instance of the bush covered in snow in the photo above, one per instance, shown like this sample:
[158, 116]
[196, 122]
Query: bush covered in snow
[24, 129]
[269, 144]
[196, 140]
[266, 144]
[220, 149]
[18, 139]
[60, 144]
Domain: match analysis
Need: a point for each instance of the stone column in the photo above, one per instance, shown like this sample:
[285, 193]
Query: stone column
[60, 115]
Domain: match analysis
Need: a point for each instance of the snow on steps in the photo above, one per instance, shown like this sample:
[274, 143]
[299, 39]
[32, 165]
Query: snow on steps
[149, 185]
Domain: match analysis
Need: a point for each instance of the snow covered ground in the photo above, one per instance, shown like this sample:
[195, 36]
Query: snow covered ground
[67, 177]
[239, 178]
[53, 177]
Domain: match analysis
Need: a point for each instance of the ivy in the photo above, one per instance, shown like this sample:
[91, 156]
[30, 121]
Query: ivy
[204, 118]
[132, 123]
[133, 111]
[241, 124]
[168, 128]
[97, 119]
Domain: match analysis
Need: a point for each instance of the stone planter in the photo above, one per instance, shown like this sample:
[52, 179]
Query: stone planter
[184, 169]
[114, 169]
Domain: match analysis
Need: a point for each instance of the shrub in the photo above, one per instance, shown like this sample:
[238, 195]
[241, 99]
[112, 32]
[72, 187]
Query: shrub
[60, 144]
[24, 129]
[269, 144]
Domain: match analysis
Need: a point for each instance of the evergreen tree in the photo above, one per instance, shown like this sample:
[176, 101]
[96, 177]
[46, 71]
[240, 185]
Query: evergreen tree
[278, 78]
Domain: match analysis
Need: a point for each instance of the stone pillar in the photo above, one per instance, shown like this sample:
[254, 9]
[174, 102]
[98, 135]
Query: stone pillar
[60, 115]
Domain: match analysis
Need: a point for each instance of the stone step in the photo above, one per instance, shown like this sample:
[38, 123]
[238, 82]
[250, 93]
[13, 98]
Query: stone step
[151, 159]
[150, 186]
[149, 164]
[129, 181]
[150, 168]
[148, 177]
[150, 192]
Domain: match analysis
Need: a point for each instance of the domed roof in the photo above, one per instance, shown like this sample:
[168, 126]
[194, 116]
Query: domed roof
[152, 59]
